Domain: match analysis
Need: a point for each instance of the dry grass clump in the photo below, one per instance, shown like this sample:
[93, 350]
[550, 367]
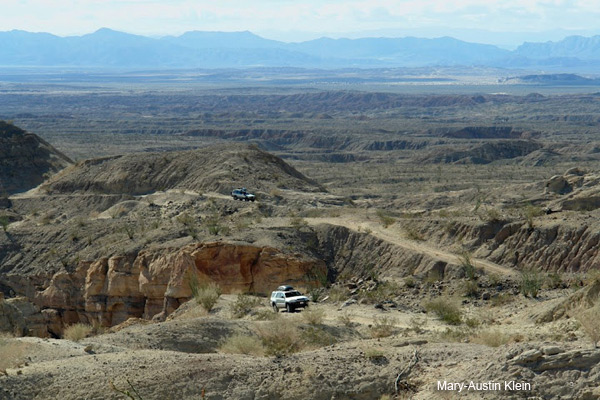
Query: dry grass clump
[382, 327]
[280, 339]
[413, 233]
[204, 293]
[77, 332]
[445, 309]
[243, 344]
[317, 336]
[266, 315]
[590, 323]
[346, 319]
[313, 316]
[244, 304]
[491, 338]
[12, 352]
[372, 353]
[338, 293]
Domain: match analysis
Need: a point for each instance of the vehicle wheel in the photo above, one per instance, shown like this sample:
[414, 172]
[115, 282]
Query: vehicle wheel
[275, 307]
[252, 200]
[289, 308]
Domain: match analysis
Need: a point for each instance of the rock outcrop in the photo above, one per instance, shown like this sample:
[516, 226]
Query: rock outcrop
[154, 283]
[484, 153]
[26, 160]
[579, 190]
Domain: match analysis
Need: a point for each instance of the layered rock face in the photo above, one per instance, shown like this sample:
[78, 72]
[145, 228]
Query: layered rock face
[153, 283]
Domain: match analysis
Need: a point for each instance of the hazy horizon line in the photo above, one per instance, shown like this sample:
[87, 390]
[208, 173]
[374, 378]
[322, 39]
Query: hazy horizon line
[511, 41]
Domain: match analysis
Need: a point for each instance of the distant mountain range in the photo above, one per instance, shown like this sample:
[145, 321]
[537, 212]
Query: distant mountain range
[107, 48]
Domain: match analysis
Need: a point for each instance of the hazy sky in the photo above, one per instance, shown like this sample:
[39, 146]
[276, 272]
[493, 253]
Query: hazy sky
[299, 20]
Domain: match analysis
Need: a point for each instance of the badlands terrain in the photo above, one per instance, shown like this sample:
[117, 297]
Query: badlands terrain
[444, 239]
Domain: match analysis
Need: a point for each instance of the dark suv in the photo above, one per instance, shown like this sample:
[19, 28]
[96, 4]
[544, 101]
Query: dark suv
[242, 194]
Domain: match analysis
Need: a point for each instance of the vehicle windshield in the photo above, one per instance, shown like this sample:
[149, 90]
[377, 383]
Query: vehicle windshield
[293, 294]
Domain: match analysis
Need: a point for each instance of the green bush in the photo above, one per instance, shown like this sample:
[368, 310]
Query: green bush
[204, 293]
[466, 263]
[531, 283]
[385, 219]
[243, 305]
[446, 310]
[4, 222]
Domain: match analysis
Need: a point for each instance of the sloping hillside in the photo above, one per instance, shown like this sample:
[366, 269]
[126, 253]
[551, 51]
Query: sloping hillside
[217, 168]
[26, 159]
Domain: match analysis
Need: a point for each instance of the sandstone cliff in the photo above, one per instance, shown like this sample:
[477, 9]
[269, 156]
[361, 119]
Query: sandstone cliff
[153, 283]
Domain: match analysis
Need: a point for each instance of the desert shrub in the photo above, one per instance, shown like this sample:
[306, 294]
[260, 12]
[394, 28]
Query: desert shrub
[266, 315]
[372, 353]
[382, 327]
[554, 280]
[589, 321]
[280, 339]
[471, 322]
[243, 305]
[591, 277]
[494, 279]
[204, 293]
[531, 283]
[345, 319]
[130, 392]
[433, 276]
[4, 222]
[501, 299]
[384, 291]
[385, 219]
[490, 214]
[413, 233]
[529, 212]
[313, 316]
[445, 309]
[466, 263]
[469, 288]
[491, 338]
[189, 224]
[417, 324]
[78, 331]
[316, 336]
[338, 293]
[410, 282]
[12, 352]
[315, 294]
[243, 344]
[297, 222]
[460, 334]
